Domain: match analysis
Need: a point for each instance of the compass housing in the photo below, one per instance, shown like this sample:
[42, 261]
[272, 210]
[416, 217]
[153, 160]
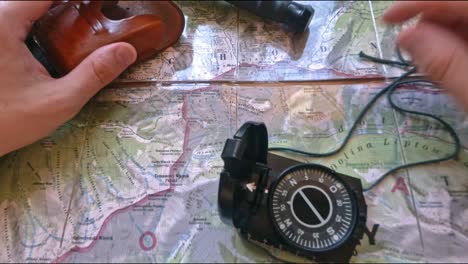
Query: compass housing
[251, 179]
[312, 208]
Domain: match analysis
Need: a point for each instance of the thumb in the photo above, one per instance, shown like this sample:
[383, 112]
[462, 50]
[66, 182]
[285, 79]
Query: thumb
[439, 53]
[97, 70]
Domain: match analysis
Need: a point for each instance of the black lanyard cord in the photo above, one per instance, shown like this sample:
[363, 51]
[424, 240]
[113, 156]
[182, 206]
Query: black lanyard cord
[389, 90]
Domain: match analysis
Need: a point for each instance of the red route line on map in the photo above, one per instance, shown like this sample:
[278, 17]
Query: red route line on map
[88, 248]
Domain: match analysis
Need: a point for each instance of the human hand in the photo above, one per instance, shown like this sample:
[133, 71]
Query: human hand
[33, 104]
[438, 44]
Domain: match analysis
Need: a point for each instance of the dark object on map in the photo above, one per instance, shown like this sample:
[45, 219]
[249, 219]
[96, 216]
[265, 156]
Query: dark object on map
[295, 15]
[71, 30]
[303, 208]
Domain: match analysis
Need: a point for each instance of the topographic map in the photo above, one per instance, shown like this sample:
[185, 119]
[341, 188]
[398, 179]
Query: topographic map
[134, 176]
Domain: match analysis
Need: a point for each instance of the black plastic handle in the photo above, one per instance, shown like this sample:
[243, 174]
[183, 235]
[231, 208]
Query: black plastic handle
[295, 15]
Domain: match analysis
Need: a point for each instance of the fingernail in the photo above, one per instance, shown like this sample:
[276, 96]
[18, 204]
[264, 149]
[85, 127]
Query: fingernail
[387, 16]
[126, 55]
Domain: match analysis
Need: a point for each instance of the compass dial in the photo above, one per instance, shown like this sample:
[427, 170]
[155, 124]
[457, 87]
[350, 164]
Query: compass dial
[312, 208]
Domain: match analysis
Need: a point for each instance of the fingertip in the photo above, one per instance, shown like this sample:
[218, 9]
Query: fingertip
[387, 17]
[405, 38]
[437, 52]
[125, 53]
[390, 15]
[400, 12]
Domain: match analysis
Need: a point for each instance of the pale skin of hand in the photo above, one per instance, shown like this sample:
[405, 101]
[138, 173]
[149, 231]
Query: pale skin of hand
[33, 104]
[438, 43]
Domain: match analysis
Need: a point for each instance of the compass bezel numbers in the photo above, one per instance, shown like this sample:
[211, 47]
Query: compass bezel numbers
[334, 228]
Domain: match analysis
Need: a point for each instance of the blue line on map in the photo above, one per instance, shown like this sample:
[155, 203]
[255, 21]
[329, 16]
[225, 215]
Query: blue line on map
[185, 237]
[84, 219]
[159, 179]
[31, 246]
[184, 171]
[81, 185]
[146, 183]
[132, 219]
[91, 199]
[45, 229]
[111, 188]
[157, 221]
[33, 243]
[208, 201]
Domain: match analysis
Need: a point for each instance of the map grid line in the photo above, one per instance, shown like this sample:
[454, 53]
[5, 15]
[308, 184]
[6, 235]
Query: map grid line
[407, 173]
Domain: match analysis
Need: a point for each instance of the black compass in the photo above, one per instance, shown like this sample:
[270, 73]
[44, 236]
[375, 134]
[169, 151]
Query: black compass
[303, 208]
[312, 208]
